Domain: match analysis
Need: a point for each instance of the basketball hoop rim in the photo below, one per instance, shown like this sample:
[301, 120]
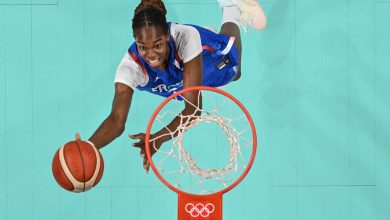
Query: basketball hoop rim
[200, 88]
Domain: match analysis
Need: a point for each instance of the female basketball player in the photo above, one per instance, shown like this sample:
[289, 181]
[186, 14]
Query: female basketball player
[167, 57]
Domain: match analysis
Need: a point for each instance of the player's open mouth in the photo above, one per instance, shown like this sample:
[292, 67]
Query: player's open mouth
[154, 63]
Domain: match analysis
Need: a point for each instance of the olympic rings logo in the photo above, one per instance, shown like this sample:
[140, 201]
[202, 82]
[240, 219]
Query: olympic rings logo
[199, 209]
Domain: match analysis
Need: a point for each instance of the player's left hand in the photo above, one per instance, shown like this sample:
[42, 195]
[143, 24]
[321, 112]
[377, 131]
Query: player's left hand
[141, 145]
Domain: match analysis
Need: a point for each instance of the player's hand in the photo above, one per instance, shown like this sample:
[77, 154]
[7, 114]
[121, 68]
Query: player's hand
[78, 138]
[77, 135]
[141, 145]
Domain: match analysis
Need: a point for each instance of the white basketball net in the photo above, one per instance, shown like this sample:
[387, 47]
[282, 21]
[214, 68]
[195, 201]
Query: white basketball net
[239, 140]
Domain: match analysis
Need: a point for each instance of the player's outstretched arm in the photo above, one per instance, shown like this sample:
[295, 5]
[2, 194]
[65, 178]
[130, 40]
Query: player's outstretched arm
[114, 125]
[192, 76]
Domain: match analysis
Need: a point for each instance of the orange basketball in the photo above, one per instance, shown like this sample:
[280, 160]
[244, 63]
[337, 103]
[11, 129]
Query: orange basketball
[78, 166]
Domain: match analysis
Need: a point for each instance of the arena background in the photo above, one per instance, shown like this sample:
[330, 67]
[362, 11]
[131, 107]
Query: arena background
[315, 81]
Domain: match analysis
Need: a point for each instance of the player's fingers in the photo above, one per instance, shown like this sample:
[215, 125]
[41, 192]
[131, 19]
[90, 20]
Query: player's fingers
[146, 164]
[78, 137]
[138, 144]
[137, 136]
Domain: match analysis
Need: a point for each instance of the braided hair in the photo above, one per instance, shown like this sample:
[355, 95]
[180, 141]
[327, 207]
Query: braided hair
[150, 13]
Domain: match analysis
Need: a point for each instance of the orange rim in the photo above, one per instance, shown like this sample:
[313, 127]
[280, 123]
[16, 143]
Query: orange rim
[200, 88]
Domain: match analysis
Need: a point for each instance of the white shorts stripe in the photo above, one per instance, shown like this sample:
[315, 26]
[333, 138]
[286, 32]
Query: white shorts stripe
[228, 46]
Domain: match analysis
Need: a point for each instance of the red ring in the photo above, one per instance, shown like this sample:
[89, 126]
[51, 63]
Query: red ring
[154, 115]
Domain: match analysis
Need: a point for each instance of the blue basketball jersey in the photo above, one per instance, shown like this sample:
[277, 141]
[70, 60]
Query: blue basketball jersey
[219, 56]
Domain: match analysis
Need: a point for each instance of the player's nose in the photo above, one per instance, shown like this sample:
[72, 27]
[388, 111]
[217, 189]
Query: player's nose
[150, 54]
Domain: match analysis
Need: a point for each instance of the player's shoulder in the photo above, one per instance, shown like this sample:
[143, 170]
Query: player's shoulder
[178, 30]
[187, 40]
[128, 64]
[128, 60]
[130, 73]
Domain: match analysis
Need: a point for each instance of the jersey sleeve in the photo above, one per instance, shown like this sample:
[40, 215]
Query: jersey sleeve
[130, 73]
[188, 42]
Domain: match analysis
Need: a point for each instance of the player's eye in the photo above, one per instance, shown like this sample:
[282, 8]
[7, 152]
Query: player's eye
[141, 47]
[157, 46]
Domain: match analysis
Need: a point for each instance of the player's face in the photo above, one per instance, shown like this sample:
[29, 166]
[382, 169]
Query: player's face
[152, 45]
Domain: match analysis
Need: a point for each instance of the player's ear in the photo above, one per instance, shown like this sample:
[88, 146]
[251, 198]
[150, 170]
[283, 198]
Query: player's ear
[167, 36]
